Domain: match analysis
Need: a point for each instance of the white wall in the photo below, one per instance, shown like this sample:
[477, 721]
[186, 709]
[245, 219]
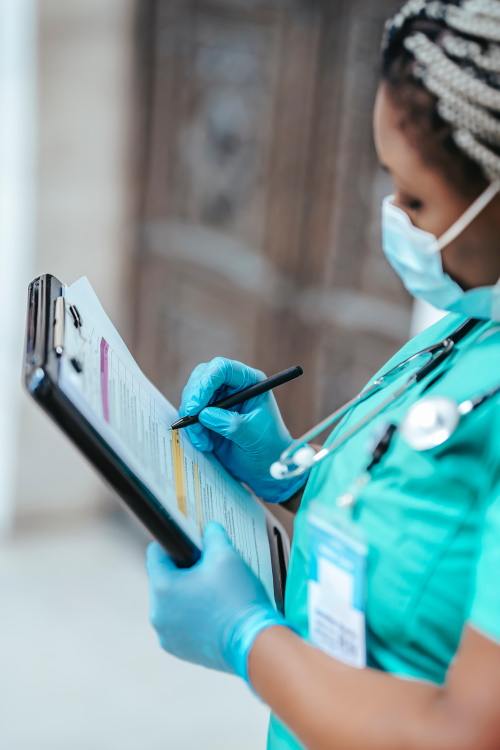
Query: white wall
[84, 82]
[17, 187]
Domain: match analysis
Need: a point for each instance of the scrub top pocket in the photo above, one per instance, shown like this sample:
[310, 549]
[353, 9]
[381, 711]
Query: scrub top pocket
[411, 519]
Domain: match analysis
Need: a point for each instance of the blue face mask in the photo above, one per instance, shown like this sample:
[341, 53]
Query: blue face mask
[415, 255]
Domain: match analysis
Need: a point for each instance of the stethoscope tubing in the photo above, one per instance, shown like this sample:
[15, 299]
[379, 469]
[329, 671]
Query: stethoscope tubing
[290, 468]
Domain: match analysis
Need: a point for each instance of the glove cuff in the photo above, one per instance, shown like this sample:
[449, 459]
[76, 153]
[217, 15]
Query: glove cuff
[252, 622]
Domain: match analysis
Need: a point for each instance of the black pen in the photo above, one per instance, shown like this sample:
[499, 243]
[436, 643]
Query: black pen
[247, 393]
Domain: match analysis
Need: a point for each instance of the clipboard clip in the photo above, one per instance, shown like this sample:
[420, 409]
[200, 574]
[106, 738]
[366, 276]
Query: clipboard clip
[59, 322]
[59, 327]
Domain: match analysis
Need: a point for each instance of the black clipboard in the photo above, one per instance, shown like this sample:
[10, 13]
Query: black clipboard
[44, 349]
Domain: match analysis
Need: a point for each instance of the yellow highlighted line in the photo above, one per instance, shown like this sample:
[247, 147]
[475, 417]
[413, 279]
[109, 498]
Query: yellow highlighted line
[197, 493]
[180, 481]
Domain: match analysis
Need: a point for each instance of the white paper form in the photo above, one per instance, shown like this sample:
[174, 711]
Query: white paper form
[134, 418]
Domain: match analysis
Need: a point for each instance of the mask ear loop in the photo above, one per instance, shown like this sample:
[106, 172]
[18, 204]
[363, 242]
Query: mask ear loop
[469, 215]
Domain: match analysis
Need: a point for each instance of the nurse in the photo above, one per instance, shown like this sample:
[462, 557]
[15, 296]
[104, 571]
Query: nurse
[391, 632]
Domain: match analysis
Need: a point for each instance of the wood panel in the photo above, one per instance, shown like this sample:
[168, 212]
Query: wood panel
[259, 221]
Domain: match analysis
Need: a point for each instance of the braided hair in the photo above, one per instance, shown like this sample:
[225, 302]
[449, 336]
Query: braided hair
[441, 64]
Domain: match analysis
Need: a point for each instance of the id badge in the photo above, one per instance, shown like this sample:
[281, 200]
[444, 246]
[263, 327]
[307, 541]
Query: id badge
[337, 588]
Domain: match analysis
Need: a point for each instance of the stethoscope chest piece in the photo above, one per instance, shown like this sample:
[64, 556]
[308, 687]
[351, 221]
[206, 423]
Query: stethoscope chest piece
[430, 422]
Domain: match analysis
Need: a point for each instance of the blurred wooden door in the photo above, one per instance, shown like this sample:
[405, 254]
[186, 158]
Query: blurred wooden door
[260, 195]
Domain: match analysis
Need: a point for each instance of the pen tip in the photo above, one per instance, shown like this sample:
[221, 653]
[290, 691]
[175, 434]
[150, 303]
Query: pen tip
[184, 422]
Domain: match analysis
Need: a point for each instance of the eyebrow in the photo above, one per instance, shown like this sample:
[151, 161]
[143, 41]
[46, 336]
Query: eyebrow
[407, 191]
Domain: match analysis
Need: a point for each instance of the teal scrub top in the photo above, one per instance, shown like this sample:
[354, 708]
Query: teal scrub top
[431, 520]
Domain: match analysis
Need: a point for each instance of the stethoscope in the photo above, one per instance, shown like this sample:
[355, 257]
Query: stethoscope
[428, 423]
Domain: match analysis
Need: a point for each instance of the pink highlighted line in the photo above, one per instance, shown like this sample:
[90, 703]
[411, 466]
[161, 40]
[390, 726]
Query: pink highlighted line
[104, 379]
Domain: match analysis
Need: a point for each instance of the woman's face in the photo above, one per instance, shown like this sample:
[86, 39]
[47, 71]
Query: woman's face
[433, 203]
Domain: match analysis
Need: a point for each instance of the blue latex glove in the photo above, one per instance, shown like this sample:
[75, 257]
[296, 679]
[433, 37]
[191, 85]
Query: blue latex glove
[246, 440]
[209, 614]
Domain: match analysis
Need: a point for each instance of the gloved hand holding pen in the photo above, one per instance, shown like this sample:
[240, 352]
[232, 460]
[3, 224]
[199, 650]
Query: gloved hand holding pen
[247, 439]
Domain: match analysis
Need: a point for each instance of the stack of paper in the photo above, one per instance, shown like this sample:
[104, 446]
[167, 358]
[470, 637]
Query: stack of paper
[102, 379]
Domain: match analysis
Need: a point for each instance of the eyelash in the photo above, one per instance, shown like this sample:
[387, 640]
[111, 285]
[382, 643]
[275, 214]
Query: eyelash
[413, 204]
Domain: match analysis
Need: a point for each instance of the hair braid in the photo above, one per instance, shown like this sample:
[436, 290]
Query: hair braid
[462, 49]
[489, 8]
[473, 23]
[451, 48]
[434, 62]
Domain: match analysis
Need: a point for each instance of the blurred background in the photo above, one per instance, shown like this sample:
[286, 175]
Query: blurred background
[209, 165]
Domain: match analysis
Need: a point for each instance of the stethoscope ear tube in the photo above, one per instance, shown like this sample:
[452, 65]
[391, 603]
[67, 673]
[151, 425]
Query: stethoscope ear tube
[300, 457]
[434, 363]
